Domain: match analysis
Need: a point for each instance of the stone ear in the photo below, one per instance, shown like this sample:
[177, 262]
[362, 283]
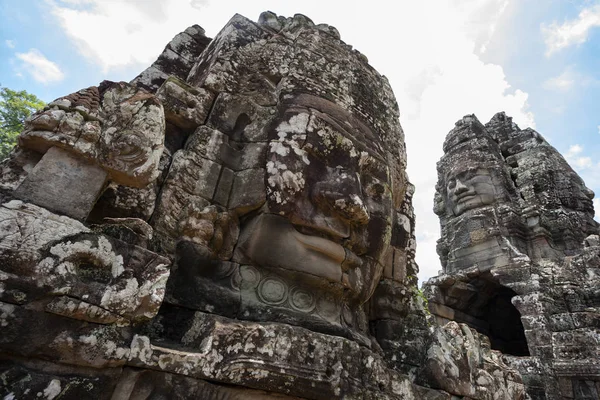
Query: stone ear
[439, 203]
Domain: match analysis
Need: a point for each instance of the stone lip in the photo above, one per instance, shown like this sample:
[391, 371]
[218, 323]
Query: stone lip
[322, 258]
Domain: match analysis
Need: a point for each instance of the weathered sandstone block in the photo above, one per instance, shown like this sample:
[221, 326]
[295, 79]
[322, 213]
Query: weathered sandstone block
[245, 231]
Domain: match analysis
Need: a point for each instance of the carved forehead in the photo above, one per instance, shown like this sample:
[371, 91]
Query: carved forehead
[467, 156]
[272, 64]
[333, 112]
[467, 172]
[324, 112]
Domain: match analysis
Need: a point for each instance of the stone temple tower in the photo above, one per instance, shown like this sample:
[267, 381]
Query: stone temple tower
[520, 255]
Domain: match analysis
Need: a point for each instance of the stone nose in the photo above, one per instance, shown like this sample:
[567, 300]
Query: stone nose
[340, 191]
[460, 187]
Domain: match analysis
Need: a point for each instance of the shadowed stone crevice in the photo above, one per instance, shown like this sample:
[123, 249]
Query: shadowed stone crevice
[486, 306]
[175, 137]
[237, 133]
[506, 330]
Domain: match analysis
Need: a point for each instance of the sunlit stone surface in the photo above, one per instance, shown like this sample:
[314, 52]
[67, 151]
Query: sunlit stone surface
[244, 230]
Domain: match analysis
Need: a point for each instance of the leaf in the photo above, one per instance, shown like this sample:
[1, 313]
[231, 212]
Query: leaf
[15, 107]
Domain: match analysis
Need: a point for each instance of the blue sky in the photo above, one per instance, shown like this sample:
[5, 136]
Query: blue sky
[538, 60]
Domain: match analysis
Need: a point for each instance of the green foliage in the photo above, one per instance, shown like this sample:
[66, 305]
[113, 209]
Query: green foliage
[15, 107]
[420, 297]
[423, 299]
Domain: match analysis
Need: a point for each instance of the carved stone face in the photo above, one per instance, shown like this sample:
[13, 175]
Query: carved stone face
[116, 126]
[303, 171]
[329, 201]
[469, 189]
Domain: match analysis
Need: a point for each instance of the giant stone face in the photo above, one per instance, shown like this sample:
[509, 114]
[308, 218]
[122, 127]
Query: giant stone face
[319, 242]
[469, 188]
[303, 154]
[192, 234]
[329, 200]
[270, 172]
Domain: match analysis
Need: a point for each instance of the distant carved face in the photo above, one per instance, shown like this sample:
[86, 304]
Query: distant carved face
[470, 189]
[330, 201]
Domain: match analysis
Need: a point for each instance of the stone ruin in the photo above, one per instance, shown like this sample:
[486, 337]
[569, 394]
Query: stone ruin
[520, 253]
[237, 223]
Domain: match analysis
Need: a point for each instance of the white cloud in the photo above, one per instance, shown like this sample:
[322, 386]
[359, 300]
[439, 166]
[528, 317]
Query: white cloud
[597, 208]
[39, 67]
[574, 150]
[119, 33]
[570, 78]
[199, 4]
[77, 2]
[576, 160]
[443, 79]
[583, 162]
[10, 43]
[571, 32]
[562, 82]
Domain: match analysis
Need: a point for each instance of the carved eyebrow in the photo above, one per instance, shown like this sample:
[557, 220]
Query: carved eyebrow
[349, 131]
[344, 121]
[461, 174]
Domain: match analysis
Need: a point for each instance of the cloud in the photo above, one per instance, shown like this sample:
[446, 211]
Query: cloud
[10, 43]
[598, 128]
[571, 32]
[562, 82]
[583, 162]
[574, 150]
[597, 208]
[443, 80]
[575, 159]
[570, 78]
[77, 2]
[115, 33]
[199, 4]
[39, 67]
